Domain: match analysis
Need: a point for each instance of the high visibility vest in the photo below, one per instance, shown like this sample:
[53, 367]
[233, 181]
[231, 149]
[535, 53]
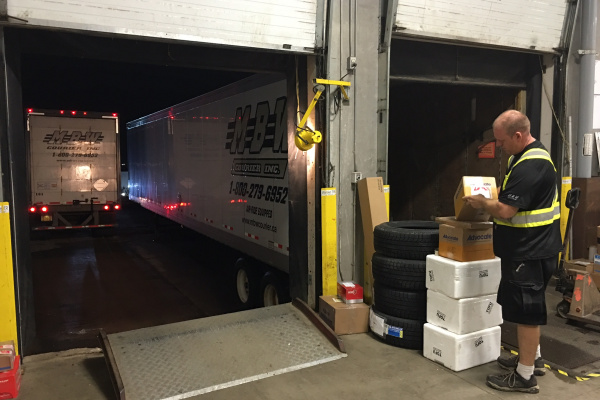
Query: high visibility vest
[533, 218]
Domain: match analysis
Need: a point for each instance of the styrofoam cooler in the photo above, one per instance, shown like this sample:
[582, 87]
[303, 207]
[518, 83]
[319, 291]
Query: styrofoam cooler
[460, 352]
[462, 316]
[460, 280]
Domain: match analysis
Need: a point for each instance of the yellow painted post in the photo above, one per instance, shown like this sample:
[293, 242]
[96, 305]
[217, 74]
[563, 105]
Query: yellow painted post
[386, 193]
[564, 211]
[329, 240]
[8, 311]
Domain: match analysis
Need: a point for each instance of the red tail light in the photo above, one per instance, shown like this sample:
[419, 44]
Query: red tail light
[117, 207]
[44, 209]
[106, 207]
[32, 209]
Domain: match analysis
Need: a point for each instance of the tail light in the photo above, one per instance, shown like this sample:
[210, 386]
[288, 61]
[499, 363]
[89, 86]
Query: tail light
[44, 209]
[117, 207]
[107, 207]
[32, 209]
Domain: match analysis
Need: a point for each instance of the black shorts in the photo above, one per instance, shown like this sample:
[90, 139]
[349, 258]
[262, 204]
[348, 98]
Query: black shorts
[522, 291]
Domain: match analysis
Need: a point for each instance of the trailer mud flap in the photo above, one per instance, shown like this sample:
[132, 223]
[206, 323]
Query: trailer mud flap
[189, 358]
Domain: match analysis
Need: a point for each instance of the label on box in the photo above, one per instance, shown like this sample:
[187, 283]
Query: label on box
[482, 190]
[478, 187]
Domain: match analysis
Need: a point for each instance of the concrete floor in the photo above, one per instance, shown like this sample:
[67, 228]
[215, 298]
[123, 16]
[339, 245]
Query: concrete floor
[372, 369]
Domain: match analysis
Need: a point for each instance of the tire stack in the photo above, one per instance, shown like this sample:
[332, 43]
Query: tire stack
[399, 293]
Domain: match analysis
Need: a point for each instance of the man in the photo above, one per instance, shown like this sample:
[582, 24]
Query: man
[527, 239]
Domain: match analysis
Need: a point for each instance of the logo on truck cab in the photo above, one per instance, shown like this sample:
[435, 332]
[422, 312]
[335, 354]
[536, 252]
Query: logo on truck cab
[59, 136]
[265, 130]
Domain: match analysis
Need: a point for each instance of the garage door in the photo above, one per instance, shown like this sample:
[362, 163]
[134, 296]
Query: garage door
[533, 25]
[267, 24]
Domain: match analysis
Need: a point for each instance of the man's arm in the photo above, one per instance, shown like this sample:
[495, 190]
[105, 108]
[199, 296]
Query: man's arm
[492, 206]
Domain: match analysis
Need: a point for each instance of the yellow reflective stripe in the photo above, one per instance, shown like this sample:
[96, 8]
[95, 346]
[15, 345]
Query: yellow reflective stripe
[527, 219]
[528, 155]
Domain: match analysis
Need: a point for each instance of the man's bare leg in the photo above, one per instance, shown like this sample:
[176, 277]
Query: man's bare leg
[529, 339]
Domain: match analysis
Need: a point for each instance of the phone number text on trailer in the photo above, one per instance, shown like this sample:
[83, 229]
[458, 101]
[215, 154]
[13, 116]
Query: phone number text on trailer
[277, 194]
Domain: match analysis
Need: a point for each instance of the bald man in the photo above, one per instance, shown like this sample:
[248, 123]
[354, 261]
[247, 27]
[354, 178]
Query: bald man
[527, 239]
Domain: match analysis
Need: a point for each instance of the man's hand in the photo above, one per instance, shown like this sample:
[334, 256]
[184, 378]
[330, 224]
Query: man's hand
[478, 201]
[492, 206]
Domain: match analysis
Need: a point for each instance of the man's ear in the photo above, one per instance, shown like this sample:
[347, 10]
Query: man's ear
[519, 135]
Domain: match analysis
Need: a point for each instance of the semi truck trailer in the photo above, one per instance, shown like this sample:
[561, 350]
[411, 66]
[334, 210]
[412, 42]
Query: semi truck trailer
[74, 169]
[217, 164]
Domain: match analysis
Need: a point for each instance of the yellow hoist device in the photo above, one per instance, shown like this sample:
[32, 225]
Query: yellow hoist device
[306, 137]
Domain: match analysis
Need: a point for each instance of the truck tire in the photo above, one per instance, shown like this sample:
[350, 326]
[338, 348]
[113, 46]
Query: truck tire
[246, 283]
[273, 289]
[399, 332]
[409, 240]
[398, 273]
[400, 304]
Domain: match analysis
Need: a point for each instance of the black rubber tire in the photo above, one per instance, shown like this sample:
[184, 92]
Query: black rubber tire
[399, 273]
[411, 331]
[400, 304]
[409, 240]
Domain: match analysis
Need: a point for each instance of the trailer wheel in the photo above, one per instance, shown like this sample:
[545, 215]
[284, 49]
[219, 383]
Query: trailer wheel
[246, 283]
[410, 240]
[274, 290]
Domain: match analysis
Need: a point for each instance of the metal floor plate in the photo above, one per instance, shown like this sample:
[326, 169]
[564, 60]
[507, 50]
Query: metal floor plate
[185, 359]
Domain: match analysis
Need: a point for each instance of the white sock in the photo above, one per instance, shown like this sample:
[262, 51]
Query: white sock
[538, 354]
[525, 371]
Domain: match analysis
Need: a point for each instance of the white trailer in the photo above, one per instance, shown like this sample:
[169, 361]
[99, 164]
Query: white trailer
[74, 169]
[217, 164]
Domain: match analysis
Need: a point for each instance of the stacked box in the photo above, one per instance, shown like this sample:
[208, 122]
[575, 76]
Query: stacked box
[10, 380]
[462, 314]
[465, 240]
[459, 279]
[459, 352]
[344, 318]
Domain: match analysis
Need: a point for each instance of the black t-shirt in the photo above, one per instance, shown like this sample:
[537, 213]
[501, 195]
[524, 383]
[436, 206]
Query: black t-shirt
[531, 186]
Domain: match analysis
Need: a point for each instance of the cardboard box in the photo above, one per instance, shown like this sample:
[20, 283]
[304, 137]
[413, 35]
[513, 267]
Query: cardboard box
[7, 355]
[10, 381]
[350, 292]
[465, 241]
[373, 212]
[584, 265]
[472, 185]
[344, 318]
[459, 352]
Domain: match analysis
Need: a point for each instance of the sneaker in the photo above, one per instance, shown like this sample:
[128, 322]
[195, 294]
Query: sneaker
[513, 382]
[512, 361]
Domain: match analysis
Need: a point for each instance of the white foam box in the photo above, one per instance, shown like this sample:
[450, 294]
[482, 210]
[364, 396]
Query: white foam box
[462, 316]
[460, 352]
[462, 279]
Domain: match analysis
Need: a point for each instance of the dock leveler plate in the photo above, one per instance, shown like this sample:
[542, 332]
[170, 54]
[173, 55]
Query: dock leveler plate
[185, 359]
